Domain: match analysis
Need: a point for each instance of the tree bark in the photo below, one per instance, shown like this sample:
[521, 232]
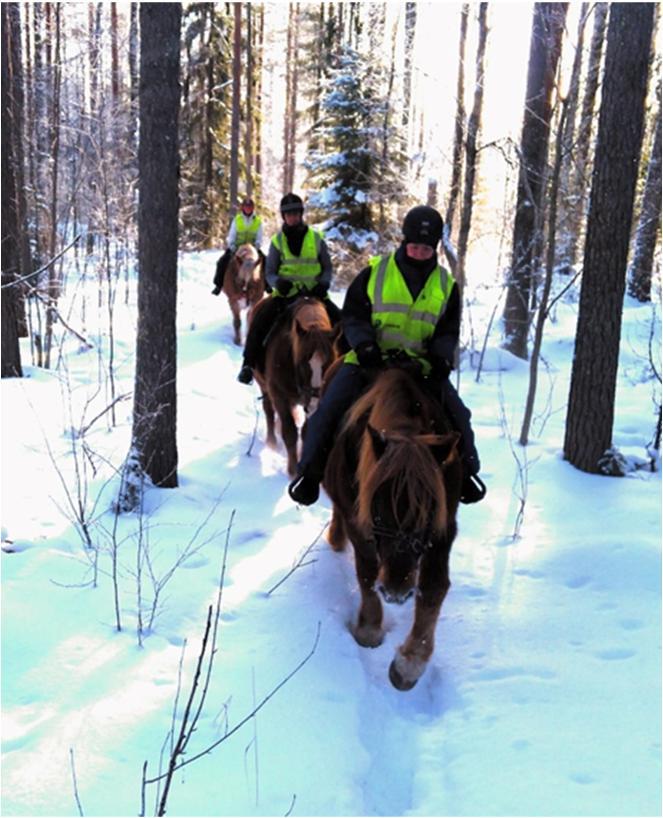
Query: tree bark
[248, 145]
[582, 167]
[545, 47]
[473, 127]
[15, 111]
[155, 395]
[570, 108]
[591, 404]
[457, 161]
[410, 27]
[236, 111]
[9, 254]
[640, 272]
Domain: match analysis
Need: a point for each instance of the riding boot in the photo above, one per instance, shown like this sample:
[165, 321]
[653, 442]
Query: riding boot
[473, 489]
[221, 267]
[348, 383]
[261, 324]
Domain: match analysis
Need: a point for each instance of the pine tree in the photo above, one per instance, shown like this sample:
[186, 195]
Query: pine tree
[348, 169]
[591, 404]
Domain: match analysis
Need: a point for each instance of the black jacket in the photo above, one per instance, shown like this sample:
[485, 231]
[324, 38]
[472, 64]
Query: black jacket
[357, 310]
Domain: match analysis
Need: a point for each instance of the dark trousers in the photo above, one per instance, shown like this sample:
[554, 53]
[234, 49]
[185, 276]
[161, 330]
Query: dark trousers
[347, 385]
[221, 267]
[265, 319]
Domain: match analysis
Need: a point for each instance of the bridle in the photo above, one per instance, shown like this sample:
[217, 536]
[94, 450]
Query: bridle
[415, 543]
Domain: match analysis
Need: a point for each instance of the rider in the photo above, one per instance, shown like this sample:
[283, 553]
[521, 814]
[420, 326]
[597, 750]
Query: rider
[245, 228]
[403, 305]
[298, 263]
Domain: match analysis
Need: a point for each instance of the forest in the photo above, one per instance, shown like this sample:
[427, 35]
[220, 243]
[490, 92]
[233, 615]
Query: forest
[135, 485]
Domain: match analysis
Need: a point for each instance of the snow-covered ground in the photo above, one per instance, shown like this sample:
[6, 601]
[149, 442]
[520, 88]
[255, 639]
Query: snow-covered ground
[543, 696]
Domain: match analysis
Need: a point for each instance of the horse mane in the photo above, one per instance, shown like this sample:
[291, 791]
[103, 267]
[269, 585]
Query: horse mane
[309, 321]
[397, 410]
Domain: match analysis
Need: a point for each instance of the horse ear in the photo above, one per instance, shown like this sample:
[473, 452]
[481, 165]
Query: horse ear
[299, 329]
[378, 440]
[446, 448]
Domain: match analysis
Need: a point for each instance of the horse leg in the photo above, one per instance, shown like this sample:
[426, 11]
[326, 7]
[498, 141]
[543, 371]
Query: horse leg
[368, 630]
[268, 409]
[337, 536]
[289, 433]
[412, 656]
[237, 322]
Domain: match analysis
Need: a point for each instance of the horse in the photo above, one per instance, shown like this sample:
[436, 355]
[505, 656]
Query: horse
[243, 284]
[394, 476]
[299, 349]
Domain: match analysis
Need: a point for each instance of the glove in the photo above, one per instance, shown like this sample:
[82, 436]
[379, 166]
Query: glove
[441, 368]
[283, 286]
[216, 290]
[369, 355]
[401, 360]
[319, 291]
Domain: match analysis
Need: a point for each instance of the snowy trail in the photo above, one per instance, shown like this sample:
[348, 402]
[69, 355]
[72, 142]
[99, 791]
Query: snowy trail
[542, 696]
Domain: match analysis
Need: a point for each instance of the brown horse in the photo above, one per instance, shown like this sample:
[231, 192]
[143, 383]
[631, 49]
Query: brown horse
[299, 350]
[243, 284]
[394, 477]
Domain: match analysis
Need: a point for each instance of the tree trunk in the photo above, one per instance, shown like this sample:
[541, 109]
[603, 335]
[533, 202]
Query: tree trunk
[582, 167]
[594, 374]
[410, 27]
[236, 111]
[473, 127]
[133, 78]
[155, 394]
[570, 108]
[17, 135]
[457, 161]
[640, 272]
[115, 62]
[9, 255]
[545, 47]
[248, 145]
[53, 280]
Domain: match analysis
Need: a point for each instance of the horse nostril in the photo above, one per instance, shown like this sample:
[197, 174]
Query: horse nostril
[397, 597]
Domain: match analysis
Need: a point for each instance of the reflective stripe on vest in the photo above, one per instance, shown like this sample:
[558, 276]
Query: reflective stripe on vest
[303, 269]
[399, 322]
[246, 233]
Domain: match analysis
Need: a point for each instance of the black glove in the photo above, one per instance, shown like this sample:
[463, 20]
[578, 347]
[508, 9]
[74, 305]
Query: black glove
[441, 368]
[283, 286]
[401, 360]
[369, 355]
[216, 290]
[319, 291]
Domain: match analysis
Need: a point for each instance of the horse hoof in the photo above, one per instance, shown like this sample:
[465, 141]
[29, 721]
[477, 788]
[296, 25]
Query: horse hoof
[398, 681]
[367, 637]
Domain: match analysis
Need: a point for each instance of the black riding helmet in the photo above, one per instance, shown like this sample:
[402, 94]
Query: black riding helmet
[423, 225]
[291, 203]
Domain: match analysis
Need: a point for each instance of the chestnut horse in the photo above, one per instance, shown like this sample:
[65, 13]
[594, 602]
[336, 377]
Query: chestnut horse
[299, 350]
[394, 477]
[243, 284]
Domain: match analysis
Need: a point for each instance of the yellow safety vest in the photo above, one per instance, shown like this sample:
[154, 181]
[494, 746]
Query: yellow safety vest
[401, 323]
[303, 269]
[246, 233]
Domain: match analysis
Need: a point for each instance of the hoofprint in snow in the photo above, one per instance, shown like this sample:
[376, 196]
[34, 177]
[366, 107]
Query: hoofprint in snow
[542, 696]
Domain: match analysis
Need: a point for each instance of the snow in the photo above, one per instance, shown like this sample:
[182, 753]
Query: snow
[543, 696]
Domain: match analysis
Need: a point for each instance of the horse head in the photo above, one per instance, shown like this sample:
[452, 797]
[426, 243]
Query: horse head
[401, 502]
[247, 268]
[312, 339]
